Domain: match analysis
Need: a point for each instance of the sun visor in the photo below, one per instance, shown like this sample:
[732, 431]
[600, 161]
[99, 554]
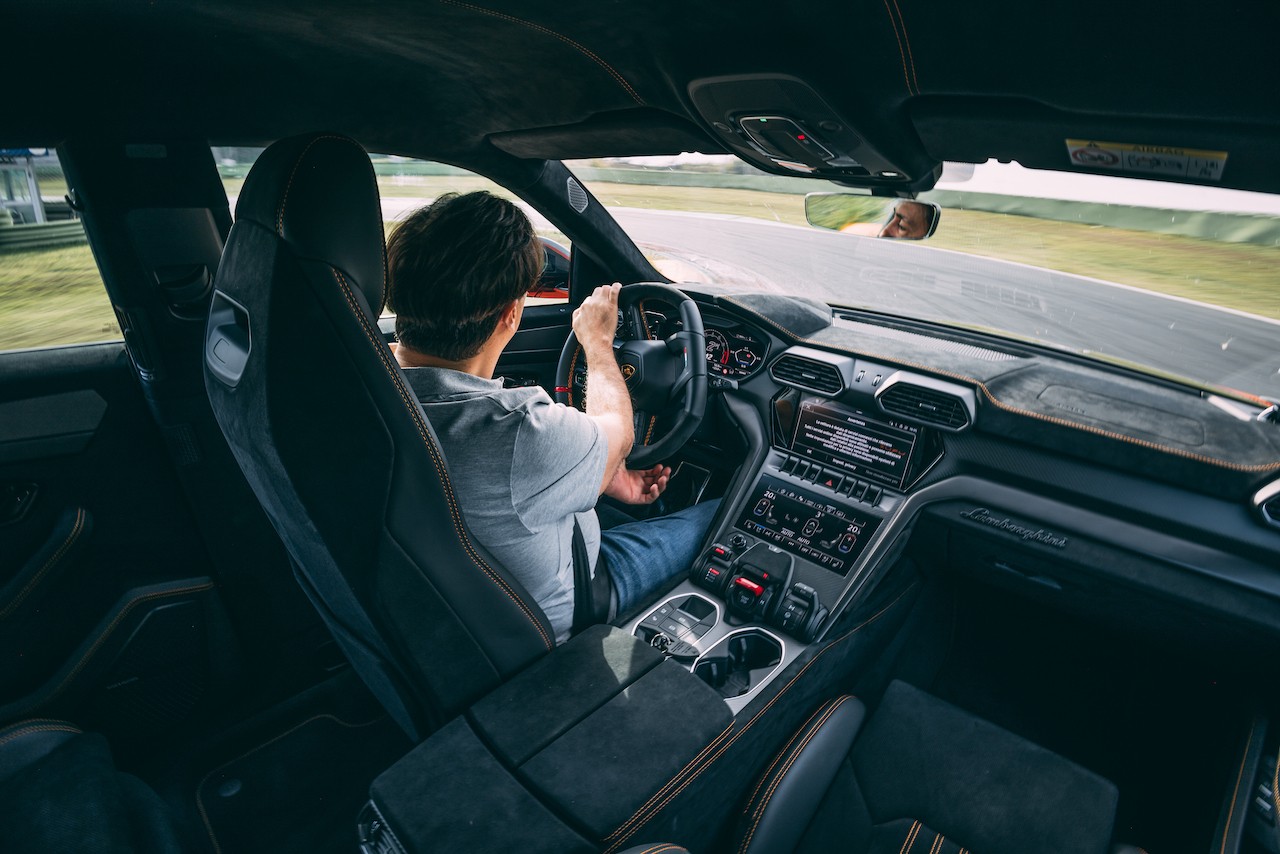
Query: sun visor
[1191, 151]
[623, 133]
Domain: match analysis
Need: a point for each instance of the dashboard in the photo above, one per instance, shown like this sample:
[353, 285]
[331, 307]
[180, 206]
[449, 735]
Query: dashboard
[861, 435]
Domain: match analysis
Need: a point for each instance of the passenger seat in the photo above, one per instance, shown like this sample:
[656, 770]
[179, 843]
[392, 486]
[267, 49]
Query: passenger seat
[923, 777]
[60, 792]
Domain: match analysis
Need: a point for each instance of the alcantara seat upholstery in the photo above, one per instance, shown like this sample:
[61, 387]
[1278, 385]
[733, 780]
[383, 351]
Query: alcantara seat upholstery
[60, 792]
[337, 449]
[922, 777]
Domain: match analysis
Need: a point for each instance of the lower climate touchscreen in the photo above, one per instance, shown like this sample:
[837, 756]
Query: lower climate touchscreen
[846, 440]
[830, 535]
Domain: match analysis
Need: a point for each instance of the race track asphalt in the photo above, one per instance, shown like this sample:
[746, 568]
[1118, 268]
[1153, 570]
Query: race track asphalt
[1178, 336]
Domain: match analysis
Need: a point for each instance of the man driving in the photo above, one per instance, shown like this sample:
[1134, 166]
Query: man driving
[528, 469]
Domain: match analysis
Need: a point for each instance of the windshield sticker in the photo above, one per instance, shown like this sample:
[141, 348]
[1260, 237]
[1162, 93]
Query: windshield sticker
[1154, 159]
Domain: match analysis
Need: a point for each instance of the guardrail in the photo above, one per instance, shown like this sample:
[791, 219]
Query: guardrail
[45, 235]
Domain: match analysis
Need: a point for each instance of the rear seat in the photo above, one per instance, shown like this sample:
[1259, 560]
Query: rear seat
[61, 792]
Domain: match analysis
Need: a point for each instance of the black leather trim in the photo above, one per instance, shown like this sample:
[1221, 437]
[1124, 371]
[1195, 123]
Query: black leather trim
[787, 796]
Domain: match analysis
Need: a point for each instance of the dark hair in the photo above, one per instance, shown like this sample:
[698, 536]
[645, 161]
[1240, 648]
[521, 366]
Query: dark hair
[454, 266]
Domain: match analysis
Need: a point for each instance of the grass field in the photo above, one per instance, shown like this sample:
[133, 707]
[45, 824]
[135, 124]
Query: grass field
[55, 296]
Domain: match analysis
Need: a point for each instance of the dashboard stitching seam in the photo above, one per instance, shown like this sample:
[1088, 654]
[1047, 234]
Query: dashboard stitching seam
[413, 410]
[626, 829]
[1258, 467]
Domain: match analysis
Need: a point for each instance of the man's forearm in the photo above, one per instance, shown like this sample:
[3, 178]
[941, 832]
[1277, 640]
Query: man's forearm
[607, 397]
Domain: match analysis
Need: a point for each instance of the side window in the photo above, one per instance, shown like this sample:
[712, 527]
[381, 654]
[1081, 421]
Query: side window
[50, 290]
[406, 184]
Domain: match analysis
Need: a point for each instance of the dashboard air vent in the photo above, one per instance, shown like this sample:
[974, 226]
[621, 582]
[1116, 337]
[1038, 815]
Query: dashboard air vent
[926, 405]
[807, 373]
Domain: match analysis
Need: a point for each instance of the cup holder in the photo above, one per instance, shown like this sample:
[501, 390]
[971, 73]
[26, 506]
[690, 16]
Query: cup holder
[740, 662]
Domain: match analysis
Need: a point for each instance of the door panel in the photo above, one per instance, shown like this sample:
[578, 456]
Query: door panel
[103, 519]
[530, 358]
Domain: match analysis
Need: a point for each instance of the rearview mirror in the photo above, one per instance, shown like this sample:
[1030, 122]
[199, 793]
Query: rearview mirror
[870, 216]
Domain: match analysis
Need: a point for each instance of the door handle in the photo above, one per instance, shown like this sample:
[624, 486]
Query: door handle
[15, 500]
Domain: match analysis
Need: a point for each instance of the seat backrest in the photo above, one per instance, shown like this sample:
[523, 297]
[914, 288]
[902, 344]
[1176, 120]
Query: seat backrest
[337, 449]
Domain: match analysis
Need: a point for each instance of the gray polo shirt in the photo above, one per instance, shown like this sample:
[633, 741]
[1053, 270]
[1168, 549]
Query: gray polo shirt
[523, 467]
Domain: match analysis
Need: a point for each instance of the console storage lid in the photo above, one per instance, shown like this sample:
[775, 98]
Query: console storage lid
[558, 757]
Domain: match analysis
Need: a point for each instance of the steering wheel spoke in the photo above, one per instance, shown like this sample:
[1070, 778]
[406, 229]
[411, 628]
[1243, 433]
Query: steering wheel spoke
[667, 379]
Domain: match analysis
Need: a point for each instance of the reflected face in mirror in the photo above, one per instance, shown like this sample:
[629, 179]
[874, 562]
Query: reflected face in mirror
[910, 221]
[868, 216]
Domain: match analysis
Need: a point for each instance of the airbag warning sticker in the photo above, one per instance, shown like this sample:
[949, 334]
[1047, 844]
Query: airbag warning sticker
[1154, 159]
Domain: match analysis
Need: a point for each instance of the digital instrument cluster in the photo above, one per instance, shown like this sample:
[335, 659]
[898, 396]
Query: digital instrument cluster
[733, 351]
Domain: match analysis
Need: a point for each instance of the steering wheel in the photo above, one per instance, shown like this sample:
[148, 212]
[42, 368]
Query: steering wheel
[664, 377]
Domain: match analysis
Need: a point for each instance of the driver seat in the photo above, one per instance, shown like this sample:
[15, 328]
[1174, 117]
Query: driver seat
[338, 451]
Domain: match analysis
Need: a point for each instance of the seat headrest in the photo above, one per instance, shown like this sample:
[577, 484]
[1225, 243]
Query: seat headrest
[319, 194]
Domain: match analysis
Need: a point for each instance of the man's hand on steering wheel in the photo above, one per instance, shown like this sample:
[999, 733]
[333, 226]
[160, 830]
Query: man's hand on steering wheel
[663, 378]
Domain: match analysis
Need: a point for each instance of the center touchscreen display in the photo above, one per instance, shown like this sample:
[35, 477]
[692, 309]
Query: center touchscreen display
[828, 534]
[847, 440]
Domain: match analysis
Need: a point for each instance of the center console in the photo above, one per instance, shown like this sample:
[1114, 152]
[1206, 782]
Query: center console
[794, 545]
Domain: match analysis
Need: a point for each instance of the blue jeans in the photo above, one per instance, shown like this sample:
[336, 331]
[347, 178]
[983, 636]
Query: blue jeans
[643, 556]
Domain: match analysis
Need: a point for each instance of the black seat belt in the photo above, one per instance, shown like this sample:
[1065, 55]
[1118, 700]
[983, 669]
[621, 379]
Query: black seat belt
[590, 596]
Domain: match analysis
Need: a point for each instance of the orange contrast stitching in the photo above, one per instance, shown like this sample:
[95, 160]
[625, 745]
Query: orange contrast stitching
[34, 728]
[411, 407]
[284, 199]
[111, 627]
[573, 365]
[911, 837]
[779, 757]
[72, 536]
[792, 757]
[894, 23]
[1226, 830]
[377, 213]
[208, 826]
[546, 31]
[937, 844]
[1259, 467]
[674, 786]
[907, 41]
[1275, 786]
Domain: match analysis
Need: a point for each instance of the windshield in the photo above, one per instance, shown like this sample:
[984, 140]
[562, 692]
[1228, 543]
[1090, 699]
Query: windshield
[1178, 280]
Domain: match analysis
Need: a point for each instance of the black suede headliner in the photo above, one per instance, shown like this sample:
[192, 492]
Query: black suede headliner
[921, 82]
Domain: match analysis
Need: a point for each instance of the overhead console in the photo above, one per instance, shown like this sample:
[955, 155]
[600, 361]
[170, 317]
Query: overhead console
[781, 125]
